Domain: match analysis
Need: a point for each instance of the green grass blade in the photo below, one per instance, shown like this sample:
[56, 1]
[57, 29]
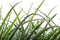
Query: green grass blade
[21, 23]
[48, 13]
[11, 26]
[35, 12]
[51, 33]
[7, 16]
[50, 20]
[16, 14]
[42, 31]
[55, 35]
[0, 12]
[34, 30]
[39, 6]
[30, 8]
[51, 10]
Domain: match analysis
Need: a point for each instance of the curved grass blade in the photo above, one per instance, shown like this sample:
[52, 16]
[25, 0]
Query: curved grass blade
[37, 9]
[35, 29]
[50, 20]
[10, 27]
[42, 31]
[51, 33]
[51, 10]
[15, 13]
[22, 28]
[28, 13]
[22, 22]
[7, 16]
[48, 13]
[46, 16]
[35, 12]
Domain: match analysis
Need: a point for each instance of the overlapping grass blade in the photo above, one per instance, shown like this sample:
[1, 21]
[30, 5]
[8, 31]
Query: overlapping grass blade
[50, 20]
[19, 20]
[36, 12]
[7, 16]
[54, 36]
[47, 16]
[42, 30]
[51, 33]
[16, 14]
[11, 26]
[23, 21]
[34, 30]
[27, 16]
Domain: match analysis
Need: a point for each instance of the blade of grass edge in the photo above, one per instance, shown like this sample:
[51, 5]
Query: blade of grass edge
[10, 27]
[7, 15]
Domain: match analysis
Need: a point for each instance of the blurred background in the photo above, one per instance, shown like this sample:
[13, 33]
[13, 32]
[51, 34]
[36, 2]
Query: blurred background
[25, 4]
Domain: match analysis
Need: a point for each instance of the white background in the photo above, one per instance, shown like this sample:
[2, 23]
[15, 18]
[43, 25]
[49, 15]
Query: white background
[25, 4]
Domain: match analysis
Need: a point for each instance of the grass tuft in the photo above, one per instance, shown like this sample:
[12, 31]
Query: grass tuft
[35, 28]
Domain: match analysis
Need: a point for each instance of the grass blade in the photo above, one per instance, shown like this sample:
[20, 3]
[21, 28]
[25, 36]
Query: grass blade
[7, 16]
[10, 27]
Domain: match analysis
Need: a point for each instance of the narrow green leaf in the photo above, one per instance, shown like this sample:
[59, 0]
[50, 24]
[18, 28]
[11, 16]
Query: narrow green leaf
[39, 6]
[51, 10]
[34, 30]
[22, 22]
[42, 31]
[0, 12]
[55, 35]
[16, 13]
[50, 20]
[10, 27]
[7, 16]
